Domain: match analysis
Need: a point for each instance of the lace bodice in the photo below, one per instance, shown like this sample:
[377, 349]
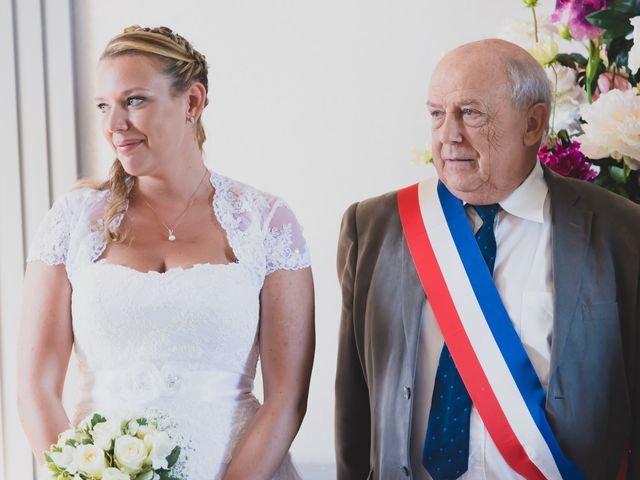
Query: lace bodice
[182, 344]
[261, 229]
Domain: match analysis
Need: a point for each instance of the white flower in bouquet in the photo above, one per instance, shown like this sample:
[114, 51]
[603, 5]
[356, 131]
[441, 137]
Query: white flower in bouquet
[569, 97]
[522, 31]
[159, 446]
[71, 434]
[545, 50]
[130, 454]
[90, 460]
[65, 458]
[106, 432]
[613, 127]
[114, 474]
[634, 53]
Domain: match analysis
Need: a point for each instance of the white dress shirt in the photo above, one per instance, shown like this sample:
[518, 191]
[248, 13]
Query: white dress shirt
[524, 278]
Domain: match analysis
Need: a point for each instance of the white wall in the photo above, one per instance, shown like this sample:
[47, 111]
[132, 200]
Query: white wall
[319, 102]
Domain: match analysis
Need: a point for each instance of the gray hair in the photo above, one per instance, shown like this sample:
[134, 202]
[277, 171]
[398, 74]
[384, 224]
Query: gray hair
[529, 83]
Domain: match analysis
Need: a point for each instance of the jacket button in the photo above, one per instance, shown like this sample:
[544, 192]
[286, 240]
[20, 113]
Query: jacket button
[405, 470]
[407, 393]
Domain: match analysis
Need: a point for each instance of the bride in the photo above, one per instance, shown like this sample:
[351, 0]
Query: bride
[169, 281]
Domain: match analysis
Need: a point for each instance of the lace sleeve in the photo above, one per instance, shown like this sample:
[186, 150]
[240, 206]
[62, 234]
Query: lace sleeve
[285, 247]
[51, 242]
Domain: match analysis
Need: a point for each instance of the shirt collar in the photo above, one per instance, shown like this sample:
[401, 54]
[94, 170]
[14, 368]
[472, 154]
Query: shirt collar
[527, 201]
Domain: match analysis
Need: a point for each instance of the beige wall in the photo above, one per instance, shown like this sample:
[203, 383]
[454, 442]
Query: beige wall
[318, 102]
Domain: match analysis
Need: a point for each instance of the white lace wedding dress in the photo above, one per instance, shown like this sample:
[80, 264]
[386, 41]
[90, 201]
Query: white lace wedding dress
[180, 345]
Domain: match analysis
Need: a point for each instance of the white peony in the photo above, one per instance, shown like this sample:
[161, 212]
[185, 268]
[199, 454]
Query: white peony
[634, 53]
[159, 446]
[613, 127]
[569, 97]
[90, 460]
[130, 453]
[105, 432]
[114, 474]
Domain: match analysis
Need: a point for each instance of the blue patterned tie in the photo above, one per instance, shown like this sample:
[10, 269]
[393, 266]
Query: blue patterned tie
[446, 445]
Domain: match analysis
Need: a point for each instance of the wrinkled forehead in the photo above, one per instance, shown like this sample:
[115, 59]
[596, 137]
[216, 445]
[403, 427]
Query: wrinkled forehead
[458, 79]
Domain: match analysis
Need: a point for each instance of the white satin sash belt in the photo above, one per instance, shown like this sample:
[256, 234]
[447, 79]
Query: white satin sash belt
[145, 382]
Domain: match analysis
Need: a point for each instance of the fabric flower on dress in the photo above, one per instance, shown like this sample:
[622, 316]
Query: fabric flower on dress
[612, 127]
[568, 161]
[573, 13]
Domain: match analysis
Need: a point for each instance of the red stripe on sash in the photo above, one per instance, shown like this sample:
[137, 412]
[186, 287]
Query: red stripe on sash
[624, 466]
[459, 345]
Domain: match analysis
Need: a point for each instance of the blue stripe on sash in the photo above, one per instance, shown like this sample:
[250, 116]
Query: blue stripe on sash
[501, 326]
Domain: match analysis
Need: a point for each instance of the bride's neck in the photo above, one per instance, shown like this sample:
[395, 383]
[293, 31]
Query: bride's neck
[177, 185]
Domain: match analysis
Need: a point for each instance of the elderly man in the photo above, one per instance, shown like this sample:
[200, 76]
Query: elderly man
[490, 316]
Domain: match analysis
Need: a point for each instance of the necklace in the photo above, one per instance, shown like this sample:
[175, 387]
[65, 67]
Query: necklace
[171, 230]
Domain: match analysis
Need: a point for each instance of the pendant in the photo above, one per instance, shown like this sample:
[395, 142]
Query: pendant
[171, 237]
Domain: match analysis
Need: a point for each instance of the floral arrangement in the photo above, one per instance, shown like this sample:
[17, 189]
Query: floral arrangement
[594, 131]
[113, 449]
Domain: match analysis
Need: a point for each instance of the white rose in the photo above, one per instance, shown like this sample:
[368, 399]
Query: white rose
[130, 453]
[70, 434]
[114, 474]
[133, 427]
[89, 459]
[569, 97]
[545, 50]
[65, 458]
[634, 53]
[144, 430]
[613, 127]
[105, 432]
[159, 445]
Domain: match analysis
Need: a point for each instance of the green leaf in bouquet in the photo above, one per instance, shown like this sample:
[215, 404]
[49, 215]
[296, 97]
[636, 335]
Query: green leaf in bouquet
[631, 7]
[71, 442]
[571, 60]
[96, 419]
[142, 421]
[617, 174]
[172, 458]
[166, 475]
[146, 474]
[618, 50]
[614, 21]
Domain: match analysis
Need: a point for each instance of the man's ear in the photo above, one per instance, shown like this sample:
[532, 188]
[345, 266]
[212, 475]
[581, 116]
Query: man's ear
[537, 123]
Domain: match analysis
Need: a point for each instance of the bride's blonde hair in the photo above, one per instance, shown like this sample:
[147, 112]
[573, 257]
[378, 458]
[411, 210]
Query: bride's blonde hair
[180, 62]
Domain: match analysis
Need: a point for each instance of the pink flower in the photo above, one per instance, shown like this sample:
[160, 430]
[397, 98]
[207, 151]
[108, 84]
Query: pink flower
[606, 82]
[568, 161]
[573, 13]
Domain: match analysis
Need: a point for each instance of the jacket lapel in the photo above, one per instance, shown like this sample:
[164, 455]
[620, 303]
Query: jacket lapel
[570, 233]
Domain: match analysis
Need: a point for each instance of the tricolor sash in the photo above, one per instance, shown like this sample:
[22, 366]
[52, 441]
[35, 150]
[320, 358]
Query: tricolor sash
[485, 347]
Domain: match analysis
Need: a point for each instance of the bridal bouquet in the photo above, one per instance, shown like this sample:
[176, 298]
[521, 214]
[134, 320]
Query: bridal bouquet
[594, 131]
[113, 449]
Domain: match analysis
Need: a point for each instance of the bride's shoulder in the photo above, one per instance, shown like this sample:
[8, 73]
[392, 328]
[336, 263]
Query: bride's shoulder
[242, 196]
[80, 200]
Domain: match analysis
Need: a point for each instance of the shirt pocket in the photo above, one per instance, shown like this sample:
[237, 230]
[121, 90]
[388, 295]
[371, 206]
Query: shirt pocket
[536, 330]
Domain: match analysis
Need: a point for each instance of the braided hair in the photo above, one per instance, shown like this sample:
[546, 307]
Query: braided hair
[180, 62]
